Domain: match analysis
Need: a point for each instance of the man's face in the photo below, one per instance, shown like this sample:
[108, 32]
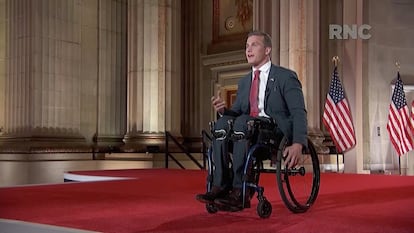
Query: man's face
[256, 53]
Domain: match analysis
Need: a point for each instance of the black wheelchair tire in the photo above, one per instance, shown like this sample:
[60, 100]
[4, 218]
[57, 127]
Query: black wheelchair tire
[284, 186]
[264, 208]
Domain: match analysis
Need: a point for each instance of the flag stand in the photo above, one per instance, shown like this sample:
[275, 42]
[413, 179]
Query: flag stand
[399, 164]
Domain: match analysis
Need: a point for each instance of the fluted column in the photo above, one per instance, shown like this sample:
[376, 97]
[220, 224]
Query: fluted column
[42, 81]
[3, 36]
[111, 123]
[173, 75]
[19, 74]
[191, 46]
[153, 97]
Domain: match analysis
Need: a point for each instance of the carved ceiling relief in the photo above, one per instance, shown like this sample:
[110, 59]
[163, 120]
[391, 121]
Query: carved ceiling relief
[232, 21]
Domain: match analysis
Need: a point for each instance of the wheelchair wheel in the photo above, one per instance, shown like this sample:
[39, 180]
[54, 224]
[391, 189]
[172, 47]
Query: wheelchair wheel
[264, 208]
[298, 186]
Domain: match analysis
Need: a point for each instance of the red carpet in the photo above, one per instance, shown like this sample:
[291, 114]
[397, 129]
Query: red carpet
[162, 200]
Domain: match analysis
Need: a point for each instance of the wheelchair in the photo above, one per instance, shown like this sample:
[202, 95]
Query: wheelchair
[298, 186]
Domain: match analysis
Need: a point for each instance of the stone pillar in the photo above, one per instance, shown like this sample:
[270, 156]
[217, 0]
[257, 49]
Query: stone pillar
[89, 68]
[3, 24]
[153, 72]
[111, 106]
[352, 60]
[42, 81]
[303, 52]
[192, 107]
[266, 18]
[294, 27]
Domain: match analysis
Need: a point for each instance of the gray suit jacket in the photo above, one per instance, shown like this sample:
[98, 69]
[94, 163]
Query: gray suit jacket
[284, 102]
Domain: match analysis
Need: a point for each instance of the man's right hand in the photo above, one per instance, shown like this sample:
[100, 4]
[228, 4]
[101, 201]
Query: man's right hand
[218, 103]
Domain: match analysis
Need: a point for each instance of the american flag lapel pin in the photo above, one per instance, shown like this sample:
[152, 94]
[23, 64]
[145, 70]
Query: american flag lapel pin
[274, 86]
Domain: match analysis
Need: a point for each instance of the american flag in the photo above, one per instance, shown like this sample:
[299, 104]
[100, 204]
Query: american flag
[398, 120]
[337, 116]
[411, 126]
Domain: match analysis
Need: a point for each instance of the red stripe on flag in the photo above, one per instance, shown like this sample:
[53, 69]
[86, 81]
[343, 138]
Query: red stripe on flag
[411, 122]
[400, 120]
[397, 128]
[337, 116]
[339, 125]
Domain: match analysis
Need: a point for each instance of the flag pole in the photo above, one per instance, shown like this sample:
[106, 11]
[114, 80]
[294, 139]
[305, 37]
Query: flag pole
[335, 61]
[397, 64]
[399, 164]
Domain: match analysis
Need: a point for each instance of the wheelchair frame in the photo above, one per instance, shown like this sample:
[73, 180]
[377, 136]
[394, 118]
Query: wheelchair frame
[284, 176]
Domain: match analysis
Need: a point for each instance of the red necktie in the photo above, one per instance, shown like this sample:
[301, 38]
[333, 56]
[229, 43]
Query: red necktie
[254, 95]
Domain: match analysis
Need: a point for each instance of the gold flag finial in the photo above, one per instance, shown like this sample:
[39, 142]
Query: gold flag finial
[335, 60]
[397, 64]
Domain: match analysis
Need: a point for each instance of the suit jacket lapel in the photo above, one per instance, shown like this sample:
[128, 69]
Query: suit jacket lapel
[247, 96]
[271, 81]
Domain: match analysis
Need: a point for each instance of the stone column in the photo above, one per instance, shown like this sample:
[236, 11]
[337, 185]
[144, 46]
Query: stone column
[294, 27]
[42, 81]
[192, 107]
[266, 17]
[111, 106]
[3, 24]
[153, 72]
[303, 52]
[352, 60]
[89, 68]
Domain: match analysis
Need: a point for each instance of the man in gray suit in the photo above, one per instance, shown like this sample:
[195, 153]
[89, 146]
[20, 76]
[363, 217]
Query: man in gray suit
[279, 96]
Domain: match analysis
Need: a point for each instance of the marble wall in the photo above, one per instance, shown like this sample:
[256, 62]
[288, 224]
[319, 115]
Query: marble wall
[83, 72]
[392, 36]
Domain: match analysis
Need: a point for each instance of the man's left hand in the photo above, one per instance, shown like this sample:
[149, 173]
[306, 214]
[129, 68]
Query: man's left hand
[292, 154]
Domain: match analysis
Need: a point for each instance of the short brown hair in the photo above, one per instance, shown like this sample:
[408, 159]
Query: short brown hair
[267, 40]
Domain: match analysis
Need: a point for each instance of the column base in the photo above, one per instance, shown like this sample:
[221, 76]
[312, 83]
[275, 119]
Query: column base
[319, 141]
[154, 143]
[144, 142]
[194, 144]
[107, 144]
[44, 144]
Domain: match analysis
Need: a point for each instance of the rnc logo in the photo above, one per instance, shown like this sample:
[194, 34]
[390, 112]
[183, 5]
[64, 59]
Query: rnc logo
[345, 31]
